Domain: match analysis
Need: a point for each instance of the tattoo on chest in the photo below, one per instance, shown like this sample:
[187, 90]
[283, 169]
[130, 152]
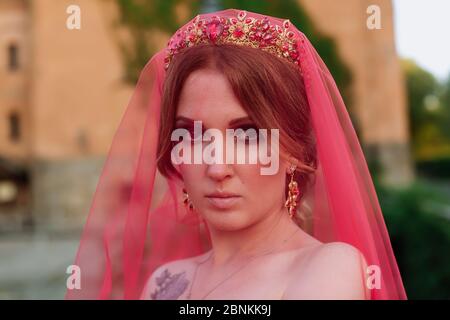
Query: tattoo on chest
[170, 286]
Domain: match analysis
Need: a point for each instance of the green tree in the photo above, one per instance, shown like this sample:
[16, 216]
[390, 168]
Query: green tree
[420, 84]
[419, 229]
[429, 111]
[142, 17]
[445, 105]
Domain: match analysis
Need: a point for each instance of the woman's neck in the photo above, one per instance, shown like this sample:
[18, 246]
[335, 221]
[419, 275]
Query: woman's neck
[266, 234]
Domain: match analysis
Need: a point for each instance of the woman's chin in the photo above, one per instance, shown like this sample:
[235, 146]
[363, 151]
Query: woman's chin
[229, 220]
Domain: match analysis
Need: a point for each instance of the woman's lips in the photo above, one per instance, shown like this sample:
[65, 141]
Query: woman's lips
[223, 202]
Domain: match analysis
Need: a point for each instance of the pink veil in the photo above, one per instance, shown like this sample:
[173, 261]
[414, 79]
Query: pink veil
[137, 221]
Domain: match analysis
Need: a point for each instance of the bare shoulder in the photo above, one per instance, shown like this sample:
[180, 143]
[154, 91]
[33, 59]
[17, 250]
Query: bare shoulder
[339, 253]
[333, 270]
[170, 280]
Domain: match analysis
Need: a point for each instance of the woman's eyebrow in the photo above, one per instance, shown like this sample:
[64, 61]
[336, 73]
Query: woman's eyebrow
[183, 119]
[233, 123]
[183, 122]
[240, 121]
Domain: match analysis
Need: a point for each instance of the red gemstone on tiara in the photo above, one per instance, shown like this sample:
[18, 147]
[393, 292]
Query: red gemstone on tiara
[293, 54]
[238, 32]
[214, 30]
[268, 37]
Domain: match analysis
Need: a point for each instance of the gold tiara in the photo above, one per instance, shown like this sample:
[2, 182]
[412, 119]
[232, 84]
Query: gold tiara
[240, 30]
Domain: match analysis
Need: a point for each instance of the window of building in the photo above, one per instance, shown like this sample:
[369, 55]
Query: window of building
[14, 126]
[13, 57]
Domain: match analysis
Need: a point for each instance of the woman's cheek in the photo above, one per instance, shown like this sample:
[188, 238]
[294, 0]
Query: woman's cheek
[267, 187]
[193, 178]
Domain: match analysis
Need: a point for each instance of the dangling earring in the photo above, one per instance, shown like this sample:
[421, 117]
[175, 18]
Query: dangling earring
[291, 202]
[187, 201]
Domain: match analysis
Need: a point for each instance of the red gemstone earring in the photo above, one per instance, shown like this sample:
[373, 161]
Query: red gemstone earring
[187, 201]
[291, 202]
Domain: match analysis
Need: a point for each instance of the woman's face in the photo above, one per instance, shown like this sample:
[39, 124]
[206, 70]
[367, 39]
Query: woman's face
[207, 97]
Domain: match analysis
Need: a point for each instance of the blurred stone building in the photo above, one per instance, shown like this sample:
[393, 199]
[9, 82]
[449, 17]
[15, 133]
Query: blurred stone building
[62, 95]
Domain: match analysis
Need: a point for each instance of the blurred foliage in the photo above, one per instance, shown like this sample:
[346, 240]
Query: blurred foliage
[143, 16]
[437, 168]
[155, 13]
[418, 220]
[445, 103]
[429, 111]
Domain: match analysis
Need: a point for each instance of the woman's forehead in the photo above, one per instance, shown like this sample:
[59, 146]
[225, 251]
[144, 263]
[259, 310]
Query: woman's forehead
[207, 96]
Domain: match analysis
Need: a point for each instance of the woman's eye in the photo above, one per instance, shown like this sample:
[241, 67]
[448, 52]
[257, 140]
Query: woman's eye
[189, 137]
[192, 137]
[248, 134]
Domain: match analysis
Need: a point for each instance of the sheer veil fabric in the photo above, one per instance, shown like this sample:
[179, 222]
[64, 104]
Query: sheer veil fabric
[137, 221]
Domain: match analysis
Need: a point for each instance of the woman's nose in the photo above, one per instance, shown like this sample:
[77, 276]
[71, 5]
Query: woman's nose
[219, 172]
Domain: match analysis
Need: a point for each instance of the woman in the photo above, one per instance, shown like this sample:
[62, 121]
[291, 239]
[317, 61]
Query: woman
[312, 229]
